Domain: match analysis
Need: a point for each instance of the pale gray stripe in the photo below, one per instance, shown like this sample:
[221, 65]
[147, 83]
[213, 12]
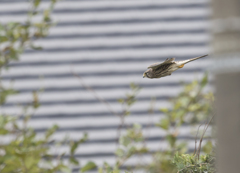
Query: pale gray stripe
[80, 101]
[88, 74]
[106, 48]
[113, 9]
[96, 61]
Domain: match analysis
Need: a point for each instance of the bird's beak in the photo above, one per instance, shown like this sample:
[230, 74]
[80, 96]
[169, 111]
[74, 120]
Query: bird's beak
[144, 75]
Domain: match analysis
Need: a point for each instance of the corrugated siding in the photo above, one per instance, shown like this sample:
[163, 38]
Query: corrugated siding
[109, 44]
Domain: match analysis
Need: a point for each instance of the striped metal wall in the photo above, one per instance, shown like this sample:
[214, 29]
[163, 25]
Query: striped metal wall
[109, 44]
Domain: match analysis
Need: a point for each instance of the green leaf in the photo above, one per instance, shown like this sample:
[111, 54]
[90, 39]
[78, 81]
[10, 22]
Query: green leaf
[132, 150]
[73, 160]
[65, 169]
[171, 139]
[204, 80]
[164, 110]
[125, 141]
[90, 165]
[3, 39]
[83, 139]
[36, 3]
[117, 171]
[36, 47]
[46, 16]
[207, 148]
[119, 152]
[3, 121]
[121, 101]
[194, 107]
[3, 131]
[36, 103]
[75, 144]
[184, 100]
[133, 86]
[164, 123]
[51, 131]
[137, 126]
[142, 150]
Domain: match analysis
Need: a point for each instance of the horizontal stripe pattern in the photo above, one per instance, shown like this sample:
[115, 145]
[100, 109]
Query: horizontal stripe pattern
[109, 44]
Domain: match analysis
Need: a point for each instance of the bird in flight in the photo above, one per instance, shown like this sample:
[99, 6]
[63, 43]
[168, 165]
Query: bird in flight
[162, 69]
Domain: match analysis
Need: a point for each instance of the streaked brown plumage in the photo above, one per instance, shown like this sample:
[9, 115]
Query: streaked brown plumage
[158, 70]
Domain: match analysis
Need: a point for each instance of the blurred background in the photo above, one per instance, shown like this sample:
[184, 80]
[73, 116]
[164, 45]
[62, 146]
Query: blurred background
[109, 44]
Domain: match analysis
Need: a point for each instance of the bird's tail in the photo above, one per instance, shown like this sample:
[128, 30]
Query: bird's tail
[189, 60]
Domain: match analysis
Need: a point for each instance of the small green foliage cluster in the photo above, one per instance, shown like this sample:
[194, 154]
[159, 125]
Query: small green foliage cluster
[4, 93]
[130, 99]
[188, 163]
[26, 152]
[15, 37]
[191, 106]
[130, 144]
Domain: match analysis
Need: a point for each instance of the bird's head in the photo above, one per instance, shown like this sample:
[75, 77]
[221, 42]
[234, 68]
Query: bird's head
[148, 73]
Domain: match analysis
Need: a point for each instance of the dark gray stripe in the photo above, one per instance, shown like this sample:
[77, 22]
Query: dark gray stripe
[113, 9]
[134, 21]
[104, 127]
[89, 74]
[78, 115]
[109, 154]
[98, 61]
[100, 87]
[149, 139]
[93, 128]
[105, 141]
[107, 48]
[128, 34]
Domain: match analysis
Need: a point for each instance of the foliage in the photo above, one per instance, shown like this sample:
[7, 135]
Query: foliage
[131, 143]
[129, 100]
[23, 150]
[26, 152]
[88, 166]
[15, 37]
[187, 163]
[192, 106]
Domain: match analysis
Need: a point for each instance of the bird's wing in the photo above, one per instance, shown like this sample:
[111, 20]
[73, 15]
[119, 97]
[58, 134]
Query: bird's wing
[157, 64]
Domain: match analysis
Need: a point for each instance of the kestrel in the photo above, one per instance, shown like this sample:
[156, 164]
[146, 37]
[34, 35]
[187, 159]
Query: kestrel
[162, 69]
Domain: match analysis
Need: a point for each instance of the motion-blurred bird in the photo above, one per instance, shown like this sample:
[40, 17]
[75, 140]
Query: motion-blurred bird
[158, 70]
